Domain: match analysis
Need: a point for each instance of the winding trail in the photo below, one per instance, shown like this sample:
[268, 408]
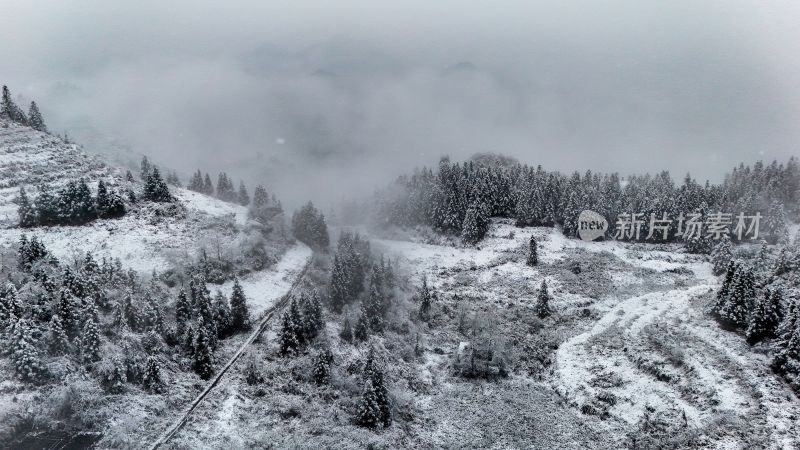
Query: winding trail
[268, 314]
[713, 373]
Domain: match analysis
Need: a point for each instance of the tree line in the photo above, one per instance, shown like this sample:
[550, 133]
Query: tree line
[459, 198]
[10, 111]
[758, 296]
[308, 226]
[73, 204]
[224, 190]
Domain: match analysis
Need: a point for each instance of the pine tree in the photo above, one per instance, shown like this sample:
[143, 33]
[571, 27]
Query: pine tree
[253, 371]
[792, 347]
[542, 307]
[117, 376]
[790, 321]
[31, 252]
[786, 360]
[776, 229]
[321, 371]
[152, 379]
[373, 307]
[26, 211]
[339, 295]
[361, 332]
[25, 356]
[388, 274]
[46, 205]
[203, 358]
[475, 224]
[35, 119]
[174, 180]
[145, 168]
[102, 199]
[425, 300]
[66, 309]
[208, 186]
[90, 266]
[347, 330]
[7, 106]
[763, 252]
[734, 310]
[725, 288]
[84, 203]
[240, 320]
[90, 341]
[373, 376]
[151, 317]
[243, 197]
[290, 335]
[225, 189]
[196, 182]
[369, 415]
[183, 312]
[203, 310]
[312, 314]
[155, 189]
[260, 197]
[308, 226]
[119, 317]
[10, 307]
[223, 316]
[57, 340]
[9, 110]
[533, 254]
[115, 206]
[187, 341]
[765, 317]
[131, 314]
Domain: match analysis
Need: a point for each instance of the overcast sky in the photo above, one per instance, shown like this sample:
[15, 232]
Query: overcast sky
[306, 94]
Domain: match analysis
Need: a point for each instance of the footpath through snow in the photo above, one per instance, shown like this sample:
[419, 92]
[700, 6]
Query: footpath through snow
[662, 350]
[263, 290]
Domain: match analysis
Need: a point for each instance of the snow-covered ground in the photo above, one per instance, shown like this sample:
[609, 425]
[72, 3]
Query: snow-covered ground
[264, 288]
[141, 241]
[30, 157]
[652, 344]
[706, 372]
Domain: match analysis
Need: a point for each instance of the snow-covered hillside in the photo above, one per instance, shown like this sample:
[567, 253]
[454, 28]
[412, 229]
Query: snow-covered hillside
[29, 157]
[143, 240]
[191, 233]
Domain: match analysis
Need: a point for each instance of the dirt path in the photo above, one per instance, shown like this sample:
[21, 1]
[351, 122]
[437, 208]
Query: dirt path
[661, 350]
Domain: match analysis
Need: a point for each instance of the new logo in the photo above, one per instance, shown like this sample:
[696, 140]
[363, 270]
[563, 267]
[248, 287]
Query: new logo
[591, 225]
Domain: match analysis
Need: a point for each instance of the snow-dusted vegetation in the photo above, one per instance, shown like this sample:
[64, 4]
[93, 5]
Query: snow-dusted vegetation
[456, 317]
[162, 295]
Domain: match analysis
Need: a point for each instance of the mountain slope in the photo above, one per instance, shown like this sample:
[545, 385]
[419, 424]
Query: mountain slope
[29, 157]
[150, 236]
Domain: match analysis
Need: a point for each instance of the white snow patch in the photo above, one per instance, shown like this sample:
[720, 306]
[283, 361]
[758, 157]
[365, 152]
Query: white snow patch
[264, 288]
